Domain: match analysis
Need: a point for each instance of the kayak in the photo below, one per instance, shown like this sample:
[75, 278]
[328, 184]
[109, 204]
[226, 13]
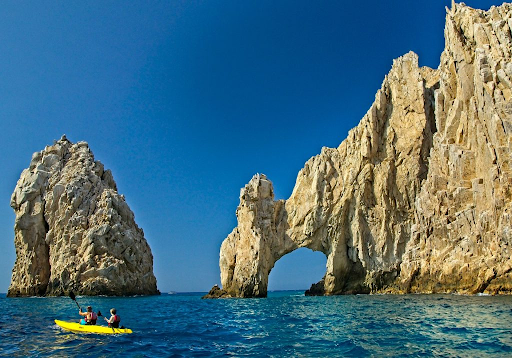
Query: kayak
[88, 328]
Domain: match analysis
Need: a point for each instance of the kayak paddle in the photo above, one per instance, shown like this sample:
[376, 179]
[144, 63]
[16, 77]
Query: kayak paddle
[73, 297]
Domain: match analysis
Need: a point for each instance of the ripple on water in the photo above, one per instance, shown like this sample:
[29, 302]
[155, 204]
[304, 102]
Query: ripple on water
[284, 324]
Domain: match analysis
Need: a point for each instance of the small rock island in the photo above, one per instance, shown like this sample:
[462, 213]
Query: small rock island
[418, 198]
[73, 231]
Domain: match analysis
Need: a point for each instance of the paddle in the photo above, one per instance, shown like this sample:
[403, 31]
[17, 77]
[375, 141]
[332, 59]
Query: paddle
[73, 297]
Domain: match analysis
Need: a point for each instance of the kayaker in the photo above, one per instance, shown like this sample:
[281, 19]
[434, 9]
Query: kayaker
[90, 316]
[114, 319]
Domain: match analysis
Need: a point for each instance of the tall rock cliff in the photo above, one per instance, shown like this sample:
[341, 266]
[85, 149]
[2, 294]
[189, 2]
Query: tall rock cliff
[418, 197]
[462, 234]
[73, 231]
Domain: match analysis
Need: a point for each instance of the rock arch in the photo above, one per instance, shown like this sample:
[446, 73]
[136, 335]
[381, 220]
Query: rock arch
[354, 203]
[418, 197]
[297, 270]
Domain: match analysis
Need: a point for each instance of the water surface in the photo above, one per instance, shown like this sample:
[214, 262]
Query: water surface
[286, 324]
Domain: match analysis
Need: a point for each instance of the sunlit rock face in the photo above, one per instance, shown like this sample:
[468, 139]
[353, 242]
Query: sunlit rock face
[462, 238]
[73, 231]
[418, 197]
[250, 251]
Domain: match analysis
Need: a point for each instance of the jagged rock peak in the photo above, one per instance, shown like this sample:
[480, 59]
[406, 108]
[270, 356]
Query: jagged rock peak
[73, 231]
[418, 198]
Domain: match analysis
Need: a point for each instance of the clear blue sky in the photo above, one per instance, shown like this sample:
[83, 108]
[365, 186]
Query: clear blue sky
[185, 100]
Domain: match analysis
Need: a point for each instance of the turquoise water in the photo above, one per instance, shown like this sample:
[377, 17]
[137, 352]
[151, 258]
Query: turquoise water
[286, 324]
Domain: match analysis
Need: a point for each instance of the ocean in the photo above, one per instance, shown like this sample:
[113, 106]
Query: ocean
[286, 324]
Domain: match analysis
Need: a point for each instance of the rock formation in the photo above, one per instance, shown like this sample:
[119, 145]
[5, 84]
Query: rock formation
[73, 231]
[418, 198]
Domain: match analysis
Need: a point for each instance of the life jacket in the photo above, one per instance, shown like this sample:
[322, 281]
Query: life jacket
[92, 318]
[115, 324]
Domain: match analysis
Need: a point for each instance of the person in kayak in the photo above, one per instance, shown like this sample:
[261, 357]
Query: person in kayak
[114, 319]
[90, 316]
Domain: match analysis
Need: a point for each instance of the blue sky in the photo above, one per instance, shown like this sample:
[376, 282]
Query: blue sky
[186, 100]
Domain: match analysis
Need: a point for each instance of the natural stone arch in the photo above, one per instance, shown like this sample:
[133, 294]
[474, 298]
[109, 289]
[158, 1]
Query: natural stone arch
[418, 197]
[263, 236]
[354, 203]
[298, 270]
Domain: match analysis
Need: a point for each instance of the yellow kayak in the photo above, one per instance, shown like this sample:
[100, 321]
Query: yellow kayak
[81, 328]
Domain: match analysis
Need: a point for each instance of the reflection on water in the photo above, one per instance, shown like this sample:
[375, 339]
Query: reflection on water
[284, 324]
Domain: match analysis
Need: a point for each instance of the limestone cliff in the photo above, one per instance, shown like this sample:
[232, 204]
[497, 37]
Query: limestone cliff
[73, 231]
[462, 234]
[418, 197]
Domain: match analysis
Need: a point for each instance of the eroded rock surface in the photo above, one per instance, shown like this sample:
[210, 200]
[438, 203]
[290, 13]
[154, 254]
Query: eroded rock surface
[462, 234]
[418, 197]
[73, 231]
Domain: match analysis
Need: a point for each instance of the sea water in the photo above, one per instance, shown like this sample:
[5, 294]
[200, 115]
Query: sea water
[286, 324]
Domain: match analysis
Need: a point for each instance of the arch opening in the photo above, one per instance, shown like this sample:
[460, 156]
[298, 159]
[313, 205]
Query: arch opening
[297, 270]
